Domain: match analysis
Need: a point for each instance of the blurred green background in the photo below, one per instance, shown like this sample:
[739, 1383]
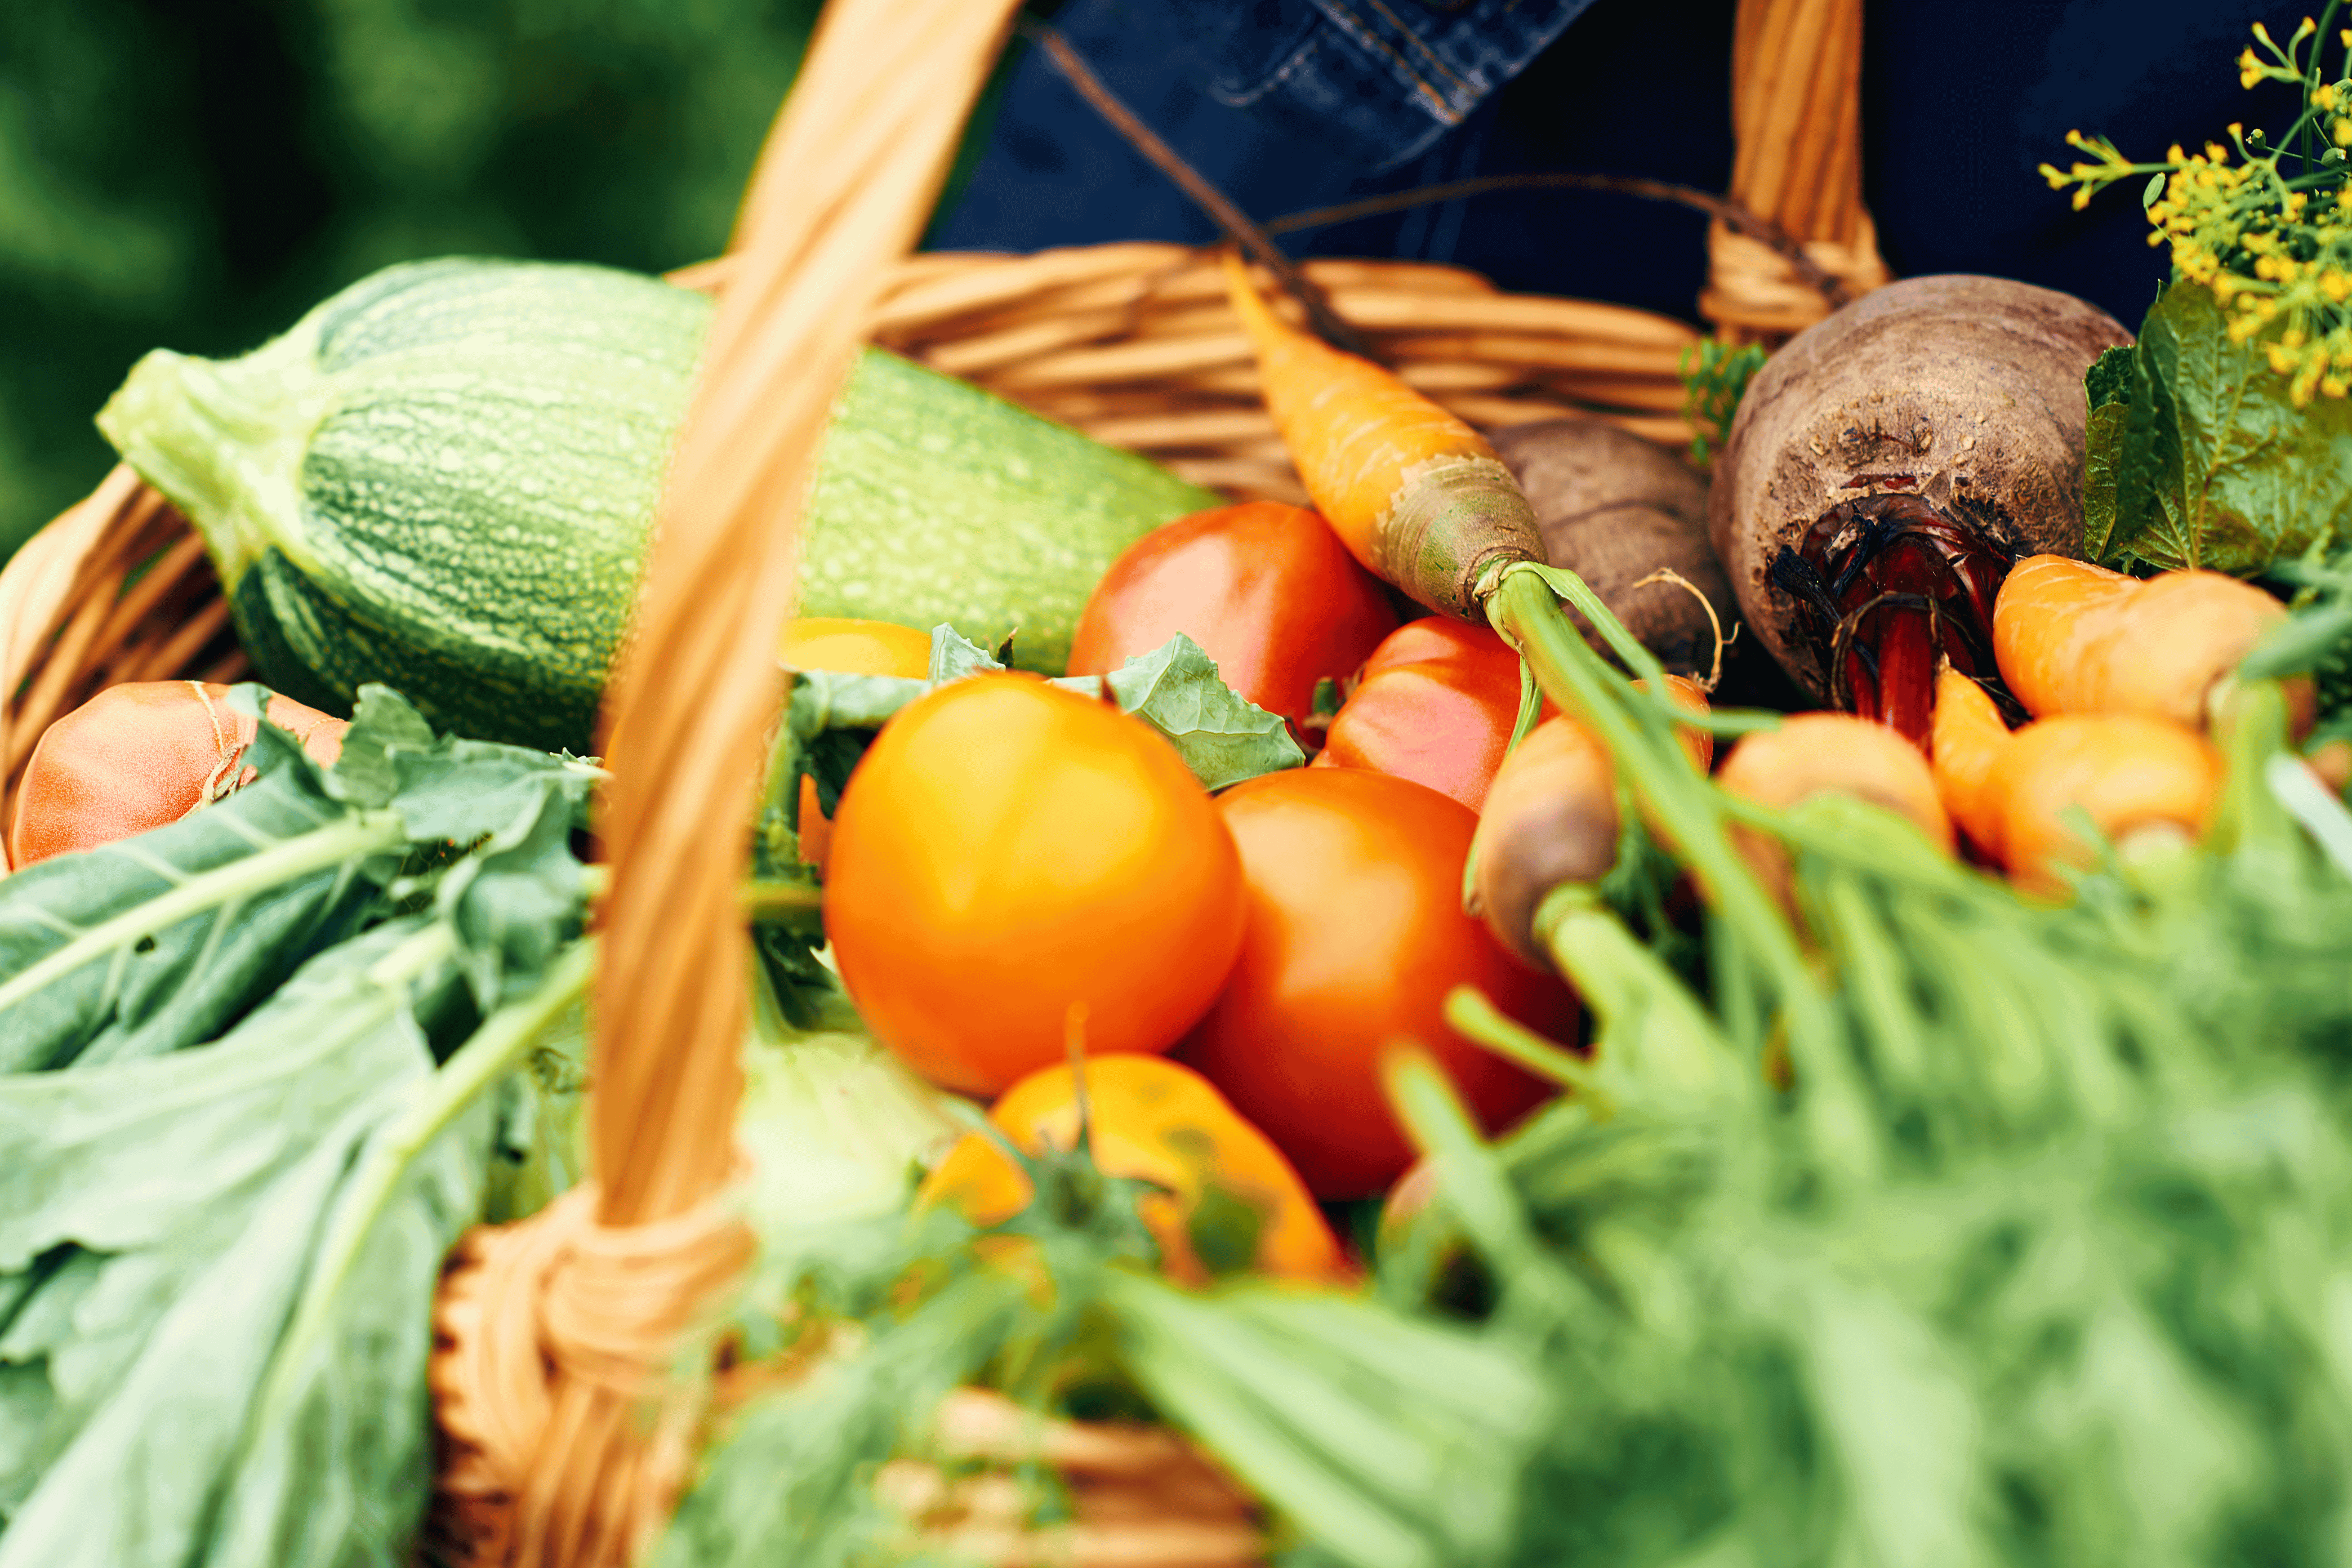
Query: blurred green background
[195, 173]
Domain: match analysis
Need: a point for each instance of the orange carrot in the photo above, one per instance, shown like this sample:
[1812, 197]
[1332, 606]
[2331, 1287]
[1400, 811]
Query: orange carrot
[2071, 637]
[137, 756]
[2132, 776]
[1415, 494]
[1818, 753]
[1829, 753]
[1967, 737]
[1550, 817]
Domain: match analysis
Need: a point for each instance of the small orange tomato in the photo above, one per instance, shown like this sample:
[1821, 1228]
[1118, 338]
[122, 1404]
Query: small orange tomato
[1150, 1119]
[1356, 935]
[846, 647]
[1008, 849]
[1435, 705]
[139, 755]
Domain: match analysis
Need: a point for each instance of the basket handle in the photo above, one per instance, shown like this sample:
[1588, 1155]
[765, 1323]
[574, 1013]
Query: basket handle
[842, 189]
[849, 172]
[1796, 115]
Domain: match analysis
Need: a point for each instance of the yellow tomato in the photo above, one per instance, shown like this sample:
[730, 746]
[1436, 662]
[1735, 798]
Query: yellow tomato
[1153, 1120]
[845, 647]
[1007, 851]
[855, 647]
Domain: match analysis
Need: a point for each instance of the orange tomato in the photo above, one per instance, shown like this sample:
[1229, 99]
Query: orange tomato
[1153, 1120]
[141, 755]
[1356, 935]
[1435, 705]
[1007, 850]
[845, 647]
[1266, 590]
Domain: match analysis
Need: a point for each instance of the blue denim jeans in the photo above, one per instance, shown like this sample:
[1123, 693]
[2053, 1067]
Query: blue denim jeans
[1282, 104]
[1289, 104]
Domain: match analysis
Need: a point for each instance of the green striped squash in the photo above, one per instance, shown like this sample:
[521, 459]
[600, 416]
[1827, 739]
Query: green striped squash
[443, 478]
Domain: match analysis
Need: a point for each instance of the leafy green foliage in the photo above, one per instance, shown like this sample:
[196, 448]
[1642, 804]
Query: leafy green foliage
[2032, 1265]
[162, 940]
[2316, 639]
[1715, 378]
[217, 1258]
[2200, 457]
[1380, 1440]
[1223, 736]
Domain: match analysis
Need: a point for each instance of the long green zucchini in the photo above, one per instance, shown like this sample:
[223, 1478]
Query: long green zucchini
[442, 479]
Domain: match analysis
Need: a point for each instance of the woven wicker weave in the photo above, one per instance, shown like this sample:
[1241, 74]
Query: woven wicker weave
[595, 1301]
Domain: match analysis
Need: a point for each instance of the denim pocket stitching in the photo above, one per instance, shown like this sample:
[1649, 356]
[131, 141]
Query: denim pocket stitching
[1244, 97]
[1439, 105]
[1420, 46]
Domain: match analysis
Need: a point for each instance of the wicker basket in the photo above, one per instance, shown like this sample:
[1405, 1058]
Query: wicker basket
[565, 1436]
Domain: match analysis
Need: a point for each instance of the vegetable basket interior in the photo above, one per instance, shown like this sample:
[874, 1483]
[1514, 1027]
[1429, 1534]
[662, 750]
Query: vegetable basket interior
[565, 1438]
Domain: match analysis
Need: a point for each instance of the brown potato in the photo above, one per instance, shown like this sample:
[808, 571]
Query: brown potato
[1614, 509]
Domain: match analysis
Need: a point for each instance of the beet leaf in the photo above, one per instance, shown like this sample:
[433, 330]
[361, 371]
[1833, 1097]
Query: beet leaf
[2211, 462]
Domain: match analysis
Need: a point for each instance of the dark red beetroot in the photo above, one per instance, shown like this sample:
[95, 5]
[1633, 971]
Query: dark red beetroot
[1885, 469]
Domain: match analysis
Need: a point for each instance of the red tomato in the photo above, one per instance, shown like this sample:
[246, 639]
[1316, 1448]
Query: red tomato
[1007, 850]
[1266, 589]
[1435, 705]
[1356, 933]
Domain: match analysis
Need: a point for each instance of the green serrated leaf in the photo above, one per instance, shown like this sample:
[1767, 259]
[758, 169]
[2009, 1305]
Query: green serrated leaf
[337, 1472]
[193, 1185]
[954, 656]
[383, 723]
[517, 903]
[2103, 451]
[161, 940]
[2109, 379]
[1223, 736]
[2219, 468]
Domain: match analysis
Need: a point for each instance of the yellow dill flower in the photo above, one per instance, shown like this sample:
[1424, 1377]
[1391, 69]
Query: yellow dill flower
[2333, 386]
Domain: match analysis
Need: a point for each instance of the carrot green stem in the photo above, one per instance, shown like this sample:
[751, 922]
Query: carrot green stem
[1638, 732]
[1477, 1018]
[1651, 1030]
[1471, 1181]
[2253, 729]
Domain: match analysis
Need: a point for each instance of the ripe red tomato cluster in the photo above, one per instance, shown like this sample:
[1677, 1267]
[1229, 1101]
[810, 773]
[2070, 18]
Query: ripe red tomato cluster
[1014, 865]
